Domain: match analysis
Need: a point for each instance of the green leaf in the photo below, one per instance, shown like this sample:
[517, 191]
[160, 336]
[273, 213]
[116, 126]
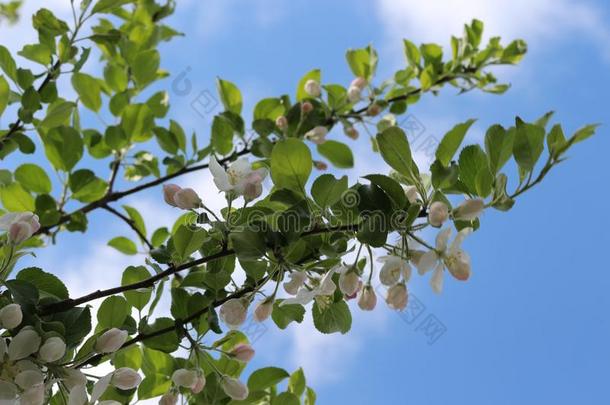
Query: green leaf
[291, 164]
[528, 144]
[248, 244]
[362, 62]
[269, 108]
[583, 133]
[326, 190]
[112, 312]
[229, 95]
[222, 135]
[286, 398]
[474, 170]
[339, 154]
[556, 141]
[86, 187]
[38, 53]
[396, 152]
[159, 236]
[266, 377]
[58, 114]
[167, 342]
[7, 63]
[140, 297]
[499, 146]
[138, 122]
[390, 187]
[335, 317]
[105, 6]
[187, 240]
[63, 147]
[145, 66]
[124, 245]
[46, 283]
[46, 21]
[297, 383]
[16, 199]
[311, 75]
[452, 141]
[33, 178]
[88, 90]
[412, 53]
[136, 218]
[283, 315]
[5, 93]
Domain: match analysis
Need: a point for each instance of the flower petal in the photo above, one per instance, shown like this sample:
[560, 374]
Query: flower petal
[221, 178]
[442, 238]
[426, 262]
[456, 245]
[436, 281]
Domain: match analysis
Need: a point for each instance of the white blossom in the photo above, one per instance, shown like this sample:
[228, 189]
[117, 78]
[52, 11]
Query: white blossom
[297, 279]
[125, 378]
[368, 299]
[19, 225]
[349, 281]
[452, 257]
[397, 297]
[469, 210]
[25, 343]
[326, 286]
[263, 310]
[438, 213]
[240, 178]
[111, 341]
[317, 135]
[312, 88]
[53, 349]
[233, 312]
[393, 269]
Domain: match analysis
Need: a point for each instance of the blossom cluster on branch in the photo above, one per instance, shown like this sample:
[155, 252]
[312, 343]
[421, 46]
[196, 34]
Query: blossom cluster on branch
[304, 241]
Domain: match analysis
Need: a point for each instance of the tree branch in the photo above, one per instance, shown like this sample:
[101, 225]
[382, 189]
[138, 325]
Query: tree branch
[114, 196]
[131, 224]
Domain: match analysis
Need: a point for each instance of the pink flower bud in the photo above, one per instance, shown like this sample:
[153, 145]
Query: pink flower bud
[397, 297]
[349, 282]
[234, 388]
[351, 132]
[368, 299]
[281, 122]
[354, 94]
[111, 341]
[320, 165]
[52, 350]
[199, 384]
[469, 210]
[312, 88]
[169, 398]
[243, 352]
[373, 110]
[306, 107]
[438, 213]
[263, 310]
[11, 316]
[359, 82]
[169, 191]
[125, 378]
[233, 313]
[317, 135]
[19, 232]
[187, 199]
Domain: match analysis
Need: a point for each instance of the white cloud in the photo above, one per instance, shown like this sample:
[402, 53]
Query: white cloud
[534, 21]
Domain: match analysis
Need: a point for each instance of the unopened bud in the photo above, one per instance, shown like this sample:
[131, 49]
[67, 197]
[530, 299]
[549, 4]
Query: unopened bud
[373, 110]
[234, 388]
[412, 194]
[169, 398]
[184, 378]
[397, 297]
[25, 343]
[469, 210]
[233, 313]
[320, 165]
[125, 378]
[281, 122]
[368, 299]
[263, 310]
[349, 282]
[20, 226]
[312, 88]
[359, 82]
[351, 132]
[438, 213]
[199, 384]
[243, 352]
[354, 94]
[111, 341]
[317, 135]
[169, 191]
[53, 349]
[187, 199]
[28, 378]
[11, 316]
[306, 107]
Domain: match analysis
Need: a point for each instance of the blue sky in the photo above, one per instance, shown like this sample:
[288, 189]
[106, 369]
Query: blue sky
[531, 325]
